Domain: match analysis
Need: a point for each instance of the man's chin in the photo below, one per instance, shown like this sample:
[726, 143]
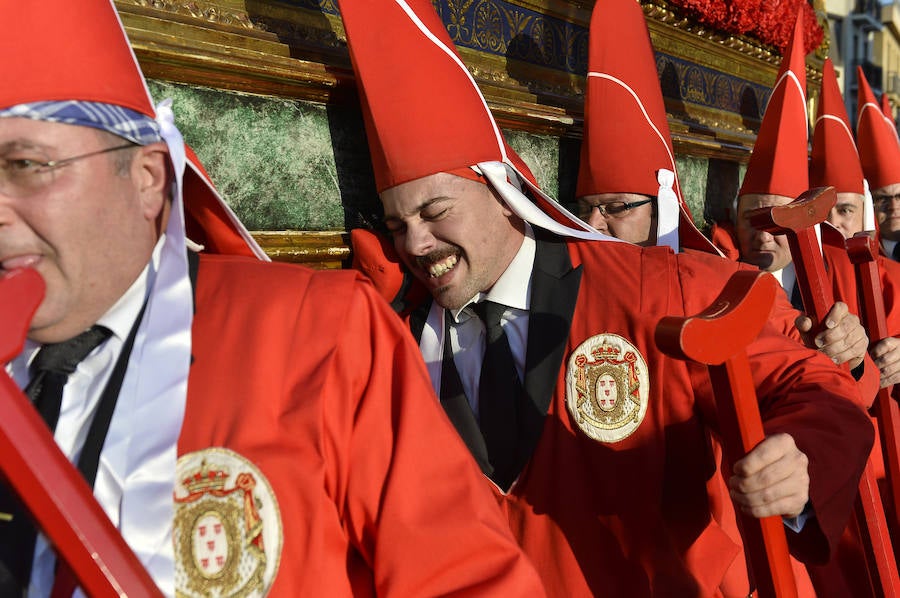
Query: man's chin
[46, 330]
[446, 289]
[447, 298]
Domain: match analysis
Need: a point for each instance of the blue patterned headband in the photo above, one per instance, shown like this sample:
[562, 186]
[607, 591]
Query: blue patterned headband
[124, 122]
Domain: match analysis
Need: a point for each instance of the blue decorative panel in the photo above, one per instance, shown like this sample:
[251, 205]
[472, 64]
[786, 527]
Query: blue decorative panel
[686, 81]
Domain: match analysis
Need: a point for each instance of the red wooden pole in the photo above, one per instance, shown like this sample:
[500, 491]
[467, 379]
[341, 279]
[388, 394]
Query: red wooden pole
[718, 338]
[863, 251]
[52, 490]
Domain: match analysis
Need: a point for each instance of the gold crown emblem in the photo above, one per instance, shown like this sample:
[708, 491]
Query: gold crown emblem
[605, 350]
[204, 479]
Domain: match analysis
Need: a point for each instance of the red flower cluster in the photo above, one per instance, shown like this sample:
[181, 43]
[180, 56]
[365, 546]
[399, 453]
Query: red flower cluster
[769, 21]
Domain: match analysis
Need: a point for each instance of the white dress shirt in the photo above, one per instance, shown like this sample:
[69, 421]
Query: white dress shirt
[467, 332]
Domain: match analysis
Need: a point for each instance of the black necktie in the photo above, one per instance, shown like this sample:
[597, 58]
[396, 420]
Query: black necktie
[51, 367]
[796, 297]
[50, 371]
[895, 253]
[499, 392]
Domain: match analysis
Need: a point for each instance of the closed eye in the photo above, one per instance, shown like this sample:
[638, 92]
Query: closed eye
[20, 165]
[434, 215]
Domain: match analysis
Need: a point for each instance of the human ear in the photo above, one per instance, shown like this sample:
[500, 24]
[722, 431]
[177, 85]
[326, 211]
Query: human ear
[153, 174]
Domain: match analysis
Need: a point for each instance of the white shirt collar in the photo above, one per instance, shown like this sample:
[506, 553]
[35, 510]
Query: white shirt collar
[513, 288]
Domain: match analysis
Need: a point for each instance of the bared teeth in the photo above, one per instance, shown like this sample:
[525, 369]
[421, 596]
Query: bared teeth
[441, 268]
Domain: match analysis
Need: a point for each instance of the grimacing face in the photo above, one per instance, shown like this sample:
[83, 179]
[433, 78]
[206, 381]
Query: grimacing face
[887, 210]
[765, 251]
[454, 234]
[636, 225]
[88, 229]
[847, 214]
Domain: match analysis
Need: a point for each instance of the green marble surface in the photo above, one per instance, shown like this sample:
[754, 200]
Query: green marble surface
[541, 154]
[292, 165]
[273, 160]
[692, 178]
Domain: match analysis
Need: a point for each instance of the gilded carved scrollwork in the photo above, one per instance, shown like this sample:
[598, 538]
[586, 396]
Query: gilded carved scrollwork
[211, 12]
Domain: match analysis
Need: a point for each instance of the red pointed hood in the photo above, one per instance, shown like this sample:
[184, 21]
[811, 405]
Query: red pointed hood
[627, 144]
[835, 161]
[414, 131]
[56, 58]
[430, 116]
[876, 139]
[626, 133]
[778, 164]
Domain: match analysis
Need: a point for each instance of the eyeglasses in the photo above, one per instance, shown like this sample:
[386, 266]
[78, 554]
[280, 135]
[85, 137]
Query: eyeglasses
[23, 177]
[614, 209]
[882, 202]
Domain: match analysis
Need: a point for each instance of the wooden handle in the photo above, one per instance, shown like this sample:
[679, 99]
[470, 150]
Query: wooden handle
[811, 208]
[863, 252]
[718, 337]
[797, 220]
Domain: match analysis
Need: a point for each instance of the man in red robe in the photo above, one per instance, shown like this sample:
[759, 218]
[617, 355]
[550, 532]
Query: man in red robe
[776, 175]
[835, 162]
[634, 194]
[879, 152]
[597, 444]
[252, 429]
